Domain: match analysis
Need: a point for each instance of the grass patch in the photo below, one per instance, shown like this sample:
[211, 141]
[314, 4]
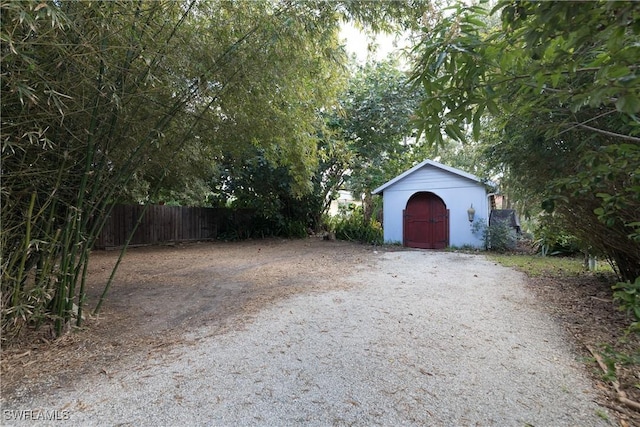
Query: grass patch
[539, 266]
[602, 414]
[463, 248]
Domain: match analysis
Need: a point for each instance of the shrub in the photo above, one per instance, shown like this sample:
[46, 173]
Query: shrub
[353, 227]
[550, 239]
[498, 237]
[627, 294]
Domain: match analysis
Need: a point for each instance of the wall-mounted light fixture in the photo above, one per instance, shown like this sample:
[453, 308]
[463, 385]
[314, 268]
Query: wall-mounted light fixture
[471, 213]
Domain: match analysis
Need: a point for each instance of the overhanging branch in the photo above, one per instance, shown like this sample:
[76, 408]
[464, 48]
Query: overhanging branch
[608, 133]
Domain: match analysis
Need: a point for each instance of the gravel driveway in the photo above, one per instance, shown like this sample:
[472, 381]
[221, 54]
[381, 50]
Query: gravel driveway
[421, 338]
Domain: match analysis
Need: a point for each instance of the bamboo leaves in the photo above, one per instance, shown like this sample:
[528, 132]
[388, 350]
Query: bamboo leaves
[124, 101]
[74, 131]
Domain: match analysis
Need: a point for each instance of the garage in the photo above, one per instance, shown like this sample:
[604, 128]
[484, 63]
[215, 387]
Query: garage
[434, 206]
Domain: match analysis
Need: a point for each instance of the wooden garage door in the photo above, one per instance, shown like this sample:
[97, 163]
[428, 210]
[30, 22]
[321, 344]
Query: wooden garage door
[426, 222]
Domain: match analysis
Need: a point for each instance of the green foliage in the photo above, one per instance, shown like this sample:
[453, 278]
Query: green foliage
[600, 202]
[362, 136]
[612, 359]
[375, 121]
[552, 240]
[353, 226]
[602, 414]
[269, 190]
[467, 64]
[627, 294]
[262, 227]
[76, 99]
[497, 237]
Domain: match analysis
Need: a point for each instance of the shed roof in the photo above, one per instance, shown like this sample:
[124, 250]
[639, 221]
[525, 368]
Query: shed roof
[429, 162]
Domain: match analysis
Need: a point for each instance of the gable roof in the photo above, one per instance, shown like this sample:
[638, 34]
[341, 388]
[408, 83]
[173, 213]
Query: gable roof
[420, 166]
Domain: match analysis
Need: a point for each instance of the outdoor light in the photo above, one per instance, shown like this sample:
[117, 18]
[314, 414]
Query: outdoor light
[471, 213]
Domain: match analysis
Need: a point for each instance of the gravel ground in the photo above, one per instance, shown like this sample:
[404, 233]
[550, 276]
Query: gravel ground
[422, 338]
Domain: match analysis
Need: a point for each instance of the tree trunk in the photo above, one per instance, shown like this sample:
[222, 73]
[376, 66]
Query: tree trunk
[367, 207]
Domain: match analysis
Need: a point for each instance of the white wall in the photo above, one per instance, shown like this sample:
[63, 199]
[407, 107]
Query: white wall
[457, 192]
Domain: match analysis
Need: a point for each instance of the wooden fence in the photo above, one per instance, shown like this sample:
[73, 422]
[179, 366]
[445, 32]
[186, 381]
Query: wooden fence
[164, 224]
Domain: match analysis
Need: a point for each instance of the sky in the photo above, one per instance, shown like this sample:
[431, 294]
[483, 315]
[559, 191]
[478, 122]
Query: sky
[356, 42]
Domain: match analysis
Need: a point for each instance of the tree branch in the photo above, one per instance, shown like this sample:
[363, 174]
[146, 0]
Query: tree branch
[577, 124]
[608, 133]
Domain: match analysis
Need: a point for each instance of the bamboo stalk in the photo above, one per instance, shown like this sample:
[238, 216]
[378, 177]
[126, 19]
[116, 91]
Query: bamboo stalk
[82, 293]
[25, 253]
[64, 275]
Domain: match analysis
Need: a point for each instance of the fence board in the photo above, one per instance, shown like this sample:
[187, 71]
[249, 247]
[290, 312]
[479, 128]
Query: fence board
[164, 224]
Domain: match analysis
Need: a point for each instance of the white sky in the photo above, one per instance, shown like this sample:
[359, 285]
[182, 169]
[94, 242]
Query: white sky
[356, 42]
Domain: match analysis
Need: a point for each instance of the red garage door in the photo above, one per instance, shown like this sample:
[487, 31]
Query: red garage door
[426, 222]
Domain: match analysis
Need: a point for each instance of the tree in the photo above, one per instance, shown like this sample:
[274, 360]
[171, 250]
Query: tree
[375, 121]
[560, 83]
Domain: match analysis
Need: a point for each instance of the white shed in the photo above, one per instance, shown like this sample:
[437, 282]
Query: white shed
[428, 207]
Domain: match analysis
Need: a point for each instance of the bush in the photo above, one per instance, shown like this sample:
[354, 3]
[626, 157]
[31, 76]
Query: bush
[627, 294]
[250, 225]
[498, 237]
[550, 239]
[353, 227]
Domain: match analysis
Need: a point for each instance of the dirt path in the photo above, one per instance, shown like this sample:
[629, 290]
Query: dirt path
[160, 292]
[307, 332]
